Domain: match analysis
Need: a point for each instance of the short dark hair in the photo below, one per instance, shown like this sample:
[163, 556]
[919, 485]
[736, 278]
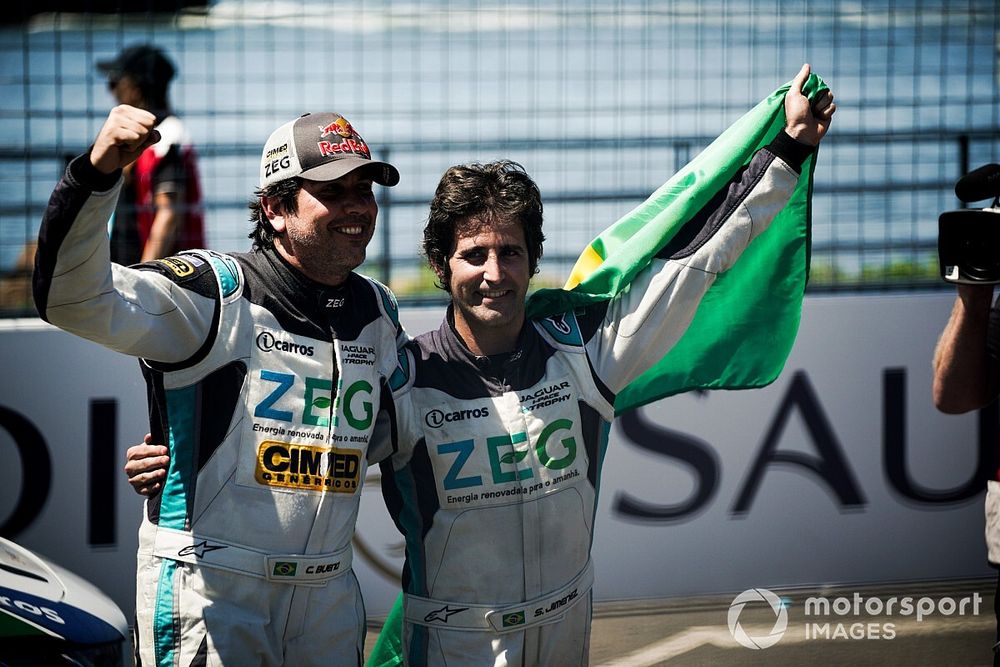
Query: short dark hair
[485, 194]
[286, 193]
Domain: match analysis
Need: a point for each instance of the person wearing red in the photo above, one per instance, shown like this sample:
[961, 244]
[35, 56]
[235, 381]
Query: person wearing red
[159, 211]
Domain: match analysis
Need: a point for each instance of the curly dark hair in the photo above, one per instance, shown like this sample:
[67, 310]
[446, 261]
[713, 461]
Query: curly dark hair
[286, 193]
[472, 196]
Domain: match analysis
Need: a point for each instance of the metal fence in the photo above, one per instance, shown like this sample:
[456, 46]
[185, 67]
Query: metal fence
[600, 101]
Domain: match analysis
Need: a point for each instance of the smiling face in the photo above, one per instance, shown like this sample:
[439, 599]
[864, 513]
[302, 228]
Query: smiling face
[489, 275]
[326, 237]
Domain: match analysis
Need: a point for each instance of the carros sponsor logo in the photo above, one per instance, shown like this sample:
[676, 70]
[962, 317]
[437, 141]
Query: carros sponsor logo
[437, 418]
[294, 466]
[266, 342]
[758, 641]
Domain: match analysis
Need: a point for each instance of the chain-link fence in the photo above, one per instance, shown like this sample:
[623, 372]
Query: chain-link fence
[600, 101]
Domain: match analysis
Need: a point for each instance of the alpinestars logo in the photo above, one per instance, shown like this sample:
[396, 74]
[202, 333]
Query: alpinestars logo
[200, 549]
[443, 614]
[559, 324]
[780, 618]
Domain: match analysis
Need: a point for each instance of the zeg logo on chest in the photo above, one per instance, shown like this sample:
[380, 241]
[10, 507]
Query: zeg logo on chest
[309, 400]
[507, 465]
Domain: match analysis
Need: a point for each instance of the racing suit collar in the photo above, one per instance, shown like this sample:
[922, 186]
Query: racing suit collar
[496, 365]
[283, 266]
[312, 299]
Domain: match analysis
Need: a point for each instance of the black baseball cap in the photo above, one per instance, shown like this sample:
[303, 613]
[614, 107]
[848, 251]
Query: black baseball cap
[144, 63]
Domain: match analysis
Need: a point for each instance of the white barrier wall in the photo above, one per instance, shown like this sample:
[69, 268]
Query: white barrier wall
[839, 472]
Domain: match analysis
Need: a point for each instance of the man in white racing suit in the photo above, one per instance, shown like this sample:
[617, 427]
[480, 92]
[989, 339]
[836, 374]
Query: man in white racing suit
[499, 424]
[264, 372]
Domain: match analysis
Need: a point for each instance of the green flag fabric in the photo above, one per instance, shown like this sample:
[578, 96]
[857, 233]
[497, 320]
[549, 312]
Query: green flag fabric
[388, 649]
[746, 324]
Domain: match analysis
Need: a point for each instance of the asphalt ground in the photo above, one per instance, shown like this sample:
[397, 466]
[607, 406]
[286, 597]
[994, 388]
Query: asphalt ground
[925, 623]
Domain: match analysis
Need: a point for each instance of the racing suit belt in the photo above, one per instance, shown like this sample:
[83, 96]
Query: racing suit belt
[509, 618]
[298, 569]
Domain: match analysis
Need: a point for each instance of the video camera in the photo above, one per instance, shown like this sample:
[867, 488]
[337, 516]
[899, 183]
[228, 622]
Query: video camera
[969, 239]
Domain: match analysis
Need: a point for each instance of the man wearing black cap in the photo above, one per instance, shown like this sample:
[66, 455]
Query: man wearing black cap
[264, 372]
[159, 210]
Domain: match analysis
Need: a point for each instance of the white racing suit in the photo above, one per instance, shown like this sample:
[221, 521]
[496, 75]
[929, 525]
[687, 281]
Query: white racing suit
[496, 462]
[265, 387]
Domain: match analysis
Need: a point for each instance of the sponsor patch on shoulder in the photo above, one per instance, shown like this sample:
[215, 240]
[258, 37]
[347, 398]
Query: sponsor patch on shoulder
[182, 267]
[563, 328]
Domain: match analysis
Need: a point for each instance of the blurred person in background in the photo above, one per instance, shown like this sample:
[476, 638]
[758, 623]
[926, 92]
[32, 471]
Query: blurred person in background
[159, 210]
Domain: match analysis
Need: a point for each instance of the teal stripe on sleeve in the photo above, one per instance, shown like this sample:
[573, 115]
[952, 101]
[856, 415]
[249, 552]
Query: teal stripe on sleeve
[225, 268]
[164, 620]
[181, 441]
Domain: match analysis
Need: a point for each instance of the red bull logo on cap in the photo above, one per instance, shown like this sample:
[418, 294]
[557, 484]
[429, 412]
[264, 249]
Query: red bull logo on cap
[349, 140]
[327, 148]
[339, 126]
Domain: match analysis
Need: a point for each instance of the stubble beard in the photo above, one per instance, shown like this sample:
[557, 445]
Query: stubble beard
[325, 259]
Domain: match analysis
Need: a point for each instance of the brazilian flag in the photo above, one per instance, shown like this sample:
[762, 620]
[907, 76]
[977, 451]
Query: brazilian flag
[746, 323]
[388, 650]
